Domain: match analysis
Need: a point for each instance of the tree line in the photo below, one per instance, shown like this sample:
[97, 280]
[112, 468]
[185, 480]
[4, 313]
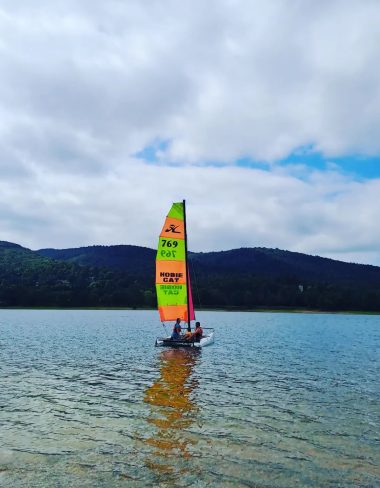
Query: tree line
[28, 279]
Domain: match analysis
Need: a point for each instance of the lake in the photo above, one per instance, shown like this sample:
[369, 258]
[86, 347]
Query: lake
[280, 400]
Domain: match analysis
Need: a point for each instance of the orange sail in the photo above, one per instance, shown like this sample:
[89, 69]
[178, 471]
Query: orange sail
[172, 277]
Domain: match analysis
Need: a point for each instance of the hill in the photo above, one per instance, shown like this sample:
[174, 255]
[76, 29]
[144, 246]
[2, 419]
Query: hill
[277, 263]
[121, 257]
[28, 279]
[257, 261]
[250, 277]
[240, 278]
[261, 277]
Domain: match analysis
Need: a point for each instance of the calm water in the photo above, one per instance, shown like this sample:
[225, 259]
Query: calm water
[280, 400]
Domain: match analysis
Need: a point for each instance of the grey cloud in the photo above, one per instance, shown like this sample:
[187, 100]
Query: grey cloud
[220, 81]
[85, 84]
[227, 208]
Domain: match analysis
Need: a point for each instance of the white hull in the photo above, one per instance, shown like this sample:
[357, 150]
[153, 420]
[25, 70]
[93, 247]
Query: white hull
[206, 340]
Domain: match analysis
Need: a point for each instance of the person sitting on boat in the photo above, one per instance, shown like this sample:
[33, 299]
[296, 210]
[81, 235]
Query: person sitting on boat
[196, 336]
[176, 334]
[188, 334]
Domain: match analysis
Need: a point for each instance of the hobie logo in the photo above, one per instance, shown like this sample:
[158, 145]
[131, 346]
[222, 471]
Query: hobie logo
[171, 289]
[170, 277]
[173, 229]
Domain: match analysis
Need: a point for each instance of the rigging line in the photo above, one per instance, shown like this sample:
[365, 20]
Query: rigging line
[164, 326]
[195, 281]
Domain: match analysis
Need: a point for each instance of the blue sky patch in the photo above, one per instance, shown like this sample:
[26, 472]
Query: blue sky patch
[150, 153]
[359, 166]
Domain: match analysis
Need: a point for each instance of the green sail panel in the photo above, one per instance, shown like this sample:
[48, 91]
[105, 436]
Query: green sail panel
[172, 294]
[176, 211]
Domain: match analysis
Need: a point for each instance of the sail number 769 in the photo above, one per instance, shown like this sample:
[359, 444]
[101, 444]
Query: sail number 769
[169, 243]
[168, 253]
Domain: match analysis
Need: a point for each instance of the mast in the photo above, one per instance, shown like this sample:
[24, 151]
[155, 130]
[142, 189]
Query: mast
[187, 269]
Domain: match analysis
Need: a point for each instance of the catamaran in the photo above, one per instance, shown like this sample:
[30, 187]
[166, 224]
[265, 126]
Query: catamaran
[173, 286]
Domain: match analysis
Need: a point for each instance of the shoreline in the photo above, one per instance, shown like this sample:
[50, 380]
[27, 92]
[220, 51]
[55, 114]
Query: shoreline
[253, 310]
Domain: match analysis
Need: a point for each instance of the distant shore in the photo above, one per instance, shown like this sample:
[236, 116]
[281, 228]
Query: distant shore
[257, 310]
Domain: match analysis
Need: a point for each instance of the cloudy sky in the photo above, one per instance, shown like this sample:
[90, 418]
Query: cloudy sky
[264, 115]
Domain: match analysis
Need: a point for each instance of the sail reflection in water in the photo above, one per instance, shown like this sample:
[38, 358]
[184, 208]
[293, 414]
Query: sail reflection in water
[173, 410]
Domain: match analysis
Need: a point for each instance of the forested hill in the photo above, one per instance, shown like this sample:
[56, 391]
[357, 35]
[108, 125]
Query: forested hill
[250, 277]
[260, 261]
[278, 263]
[240, 278]
[28, 279]
[121, 257]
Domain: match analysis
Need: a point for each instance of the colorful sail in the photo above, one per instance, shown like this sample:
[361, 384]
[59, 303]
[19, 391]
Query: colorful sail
[172, 283]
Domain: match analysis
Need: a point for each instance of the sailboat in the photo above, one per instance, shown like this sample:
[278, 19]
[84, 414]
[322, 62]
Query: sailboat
[174, 297]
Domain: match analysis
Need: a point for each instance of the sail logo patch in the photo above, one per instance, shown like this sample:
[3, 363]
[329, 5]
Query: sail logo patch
[173, 229]
[170, 277]
[171, 289]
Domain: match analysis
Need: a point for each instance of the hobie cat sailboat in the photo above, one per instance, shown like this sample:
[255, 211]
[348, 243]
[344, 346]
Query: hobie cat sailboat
[173, 287]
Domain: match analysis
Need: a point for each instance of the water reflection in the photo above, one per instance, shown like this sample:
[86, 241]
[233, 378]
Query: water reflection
[173, 410]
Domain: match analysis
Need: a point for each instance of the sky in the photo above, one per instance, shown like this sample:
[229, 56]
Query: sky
[263, 115]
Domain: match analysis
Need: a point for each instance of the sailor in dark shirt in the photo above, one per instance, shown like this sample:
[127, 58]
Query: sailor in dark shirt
[176, 334]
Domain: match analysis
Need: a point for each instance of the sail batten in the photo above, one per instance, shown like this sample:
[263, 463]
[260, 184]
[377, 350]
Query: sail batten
[172, 280]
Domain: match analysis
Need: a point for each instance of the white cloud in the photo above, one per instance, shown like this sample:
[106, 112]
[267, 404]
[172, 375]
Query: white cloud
[221, 80]
[86, 84]
[325, 214]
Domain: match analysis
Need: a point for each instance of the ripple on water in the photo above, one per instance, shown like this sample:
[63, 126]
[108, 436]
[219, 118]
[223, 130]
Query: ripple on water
[279, 400]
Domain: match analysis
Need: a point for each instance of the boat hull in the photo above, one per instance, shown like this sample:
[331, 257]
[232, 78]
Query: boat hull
[168, 342]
